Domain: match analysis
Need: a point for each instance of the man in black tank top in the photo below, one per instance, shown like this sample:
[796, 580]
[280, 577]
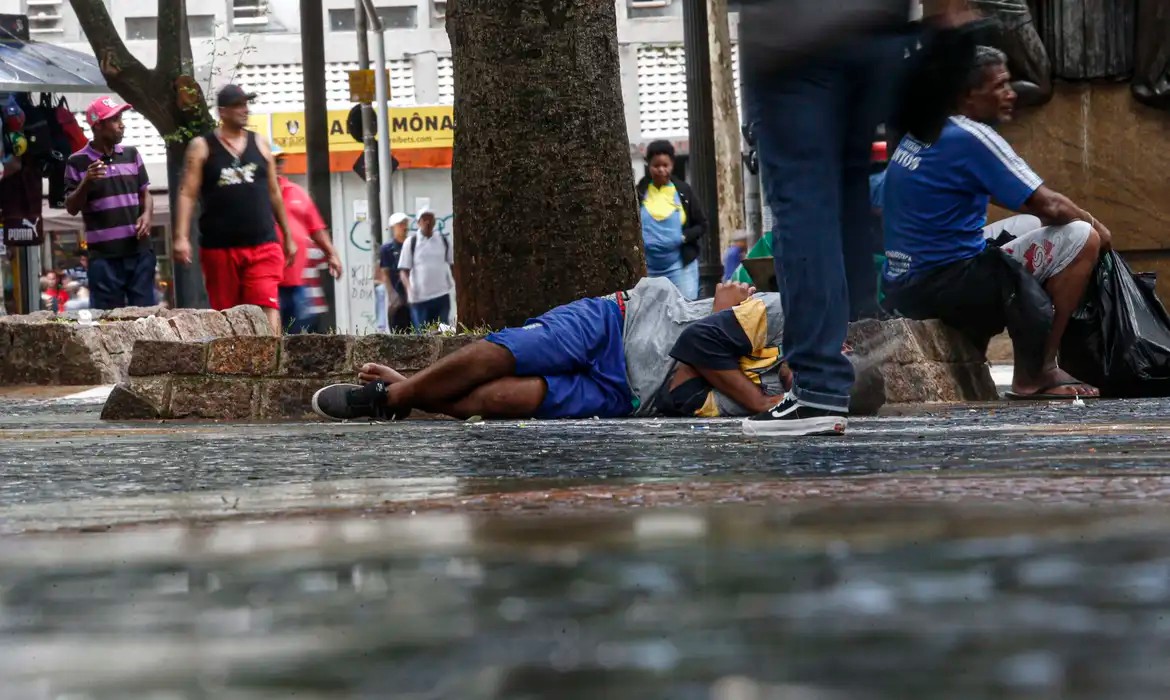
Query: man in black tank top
[233, 173]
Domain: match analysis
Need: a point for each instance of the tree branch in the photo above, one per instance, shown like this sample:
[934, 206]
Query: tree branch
[114, 58]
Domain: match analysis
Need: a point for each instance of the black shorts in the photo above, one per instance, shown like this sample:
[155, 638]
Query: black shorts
[979, 297]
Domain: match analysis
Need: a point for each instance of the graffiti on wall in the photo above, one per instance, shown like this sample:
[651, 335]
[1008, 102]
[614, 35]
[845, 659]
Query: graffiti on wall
[359, 235]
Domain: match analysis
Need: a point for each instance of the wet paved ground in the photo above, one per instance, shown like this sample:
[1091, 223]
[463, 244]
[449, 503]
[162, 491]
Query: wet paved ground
[968, 552]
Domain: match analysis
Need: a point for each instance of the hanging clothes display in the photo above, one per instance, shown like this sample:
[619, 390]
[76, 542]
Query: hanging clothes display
[31, 142]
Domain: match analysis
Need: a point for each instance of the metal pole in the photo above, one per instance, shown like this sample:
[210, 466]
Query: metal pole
[369, 138]
[382, 93]
[701, 130]
[317, 127]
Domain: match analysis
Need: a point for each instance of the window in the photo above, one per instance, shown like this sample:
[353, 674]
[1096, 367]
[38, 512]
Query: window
[392, 18]
[146, 28]
[141, 28]
[438, 14]
[653, 8]
[249, 15]
[44, 17]
[201, 26]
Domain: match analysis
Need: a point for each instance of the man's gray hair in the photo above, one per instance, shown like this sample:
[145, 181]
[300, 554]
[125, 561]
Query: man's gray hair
[985, 57]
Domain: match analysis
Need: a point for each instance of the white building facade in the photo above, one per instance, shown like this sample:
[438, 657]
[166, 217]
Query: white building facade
[257, 44]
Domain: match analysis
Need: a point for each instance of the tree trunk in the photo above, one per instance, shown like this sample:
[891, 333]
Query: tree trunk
[167, 95]
[728, 158]
[543, 192]
[190, 291]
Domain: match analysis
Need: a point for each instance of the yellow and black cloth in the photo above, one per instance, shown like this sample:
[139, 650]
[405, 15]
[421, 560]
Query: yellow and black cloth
[736, 338]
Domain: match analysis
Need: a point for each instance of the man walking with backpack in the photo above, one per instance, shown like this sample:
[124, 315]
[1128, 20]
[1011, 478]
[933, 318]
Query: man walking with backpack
[425, 268]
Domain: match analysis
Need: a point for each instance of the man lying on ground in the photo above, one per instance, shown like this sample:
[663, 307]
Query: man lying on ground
[644, 352]
[940, 263]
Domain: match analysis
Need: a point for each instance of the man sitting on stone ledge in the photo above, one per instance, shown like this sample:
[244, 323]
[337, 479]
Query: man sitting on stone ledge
[1027, 273]
[639, 353]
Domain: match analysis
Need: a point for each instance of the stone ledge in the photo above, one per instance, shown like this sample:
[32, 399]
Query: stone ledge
[41, 348]
[257, 378]
[897, 362]
[922, 362]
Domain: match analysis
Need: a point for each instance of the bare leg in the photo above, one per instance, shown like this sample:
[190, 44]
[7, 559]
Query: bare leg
[509, 397]
[1066, 290]
[274, 320]
[452, 378]
[732, 383]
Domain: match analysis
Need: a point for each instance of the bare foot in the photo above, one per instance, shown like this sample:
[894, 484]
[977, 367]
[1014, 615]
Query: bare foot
[371, 372]
[1054, 382]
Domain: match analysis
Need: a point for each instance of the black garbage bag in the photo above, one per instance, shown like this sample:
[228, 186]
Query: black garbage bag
[1119, 339]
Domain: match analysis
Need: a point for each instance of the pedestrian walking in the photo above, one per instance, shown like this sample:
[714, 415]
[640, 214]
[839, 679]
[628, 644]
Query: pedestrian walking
[733, 256]
[672, 222]
[819, 79]
[107, 183]
[425, 269]
[393, 310]
[307, 228]
[232, 171]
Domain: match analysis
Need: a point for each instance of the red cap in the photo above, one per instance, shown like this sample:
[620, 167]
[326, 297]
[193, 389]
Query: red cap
[103, 108]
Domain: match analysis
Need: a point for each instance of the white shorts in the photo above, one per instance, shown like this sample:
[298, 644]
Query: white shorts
[1045, 251]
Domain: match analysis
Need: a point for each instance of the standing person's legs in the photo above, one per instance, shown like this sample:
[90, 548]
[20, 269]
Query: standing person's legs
[222, 277]
[803, 120]
[106, 288]
[260, 274]
[876, 68]
[380, 319]
[292, 308]
[400, 320]
[690, 280]
[431, 311]
[140, 271]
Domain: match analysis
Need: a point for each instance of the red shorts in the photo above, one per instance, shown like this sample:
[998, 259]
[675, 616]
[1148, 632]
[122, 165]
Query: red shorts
[236, 276]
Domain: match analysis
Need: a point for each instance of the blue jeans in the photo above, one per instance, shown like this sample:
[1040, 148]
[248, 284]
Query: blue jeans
[380, 323]
[686, 278]
[436, 310]
[294, 310]
[118, 282]
[815, 128]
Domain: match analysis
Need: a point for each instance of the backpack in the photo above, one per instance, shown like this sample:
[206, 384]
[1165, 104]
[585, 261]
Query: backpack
[70, 128]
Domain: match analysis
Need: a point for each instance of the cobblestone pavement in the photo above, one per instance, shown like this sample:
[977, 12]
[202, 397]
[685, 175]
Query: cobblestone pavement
[1008, 551]
[62, 464]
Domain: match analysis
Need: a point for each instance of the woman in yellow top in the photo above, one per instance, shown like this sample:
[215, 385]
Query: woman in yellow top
[672, 222]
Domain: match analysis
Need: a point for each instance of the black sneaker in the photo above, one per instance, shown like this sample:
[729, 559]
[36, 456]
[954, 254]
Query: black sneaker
[790, 419]
[340, 402]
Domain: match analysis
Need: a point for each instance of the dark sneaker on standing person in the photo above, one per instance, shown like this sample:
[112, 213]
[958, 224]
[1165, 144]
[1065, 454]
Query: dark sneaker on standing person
[792, 419]
[341, 402]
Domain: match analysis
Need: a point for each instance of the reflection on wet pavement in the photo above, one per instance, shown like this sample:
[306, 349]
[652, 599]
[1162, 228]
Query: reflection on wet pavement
[1006, 552]
[728, 604]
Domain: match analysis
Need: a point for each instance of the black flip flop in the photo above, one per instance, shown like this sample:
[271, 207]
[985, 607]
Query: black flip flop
[1043, 394]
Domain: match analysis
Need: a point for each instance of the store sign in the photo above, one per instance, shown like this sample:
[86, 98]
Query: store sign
[410, 127]
[22, 232]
